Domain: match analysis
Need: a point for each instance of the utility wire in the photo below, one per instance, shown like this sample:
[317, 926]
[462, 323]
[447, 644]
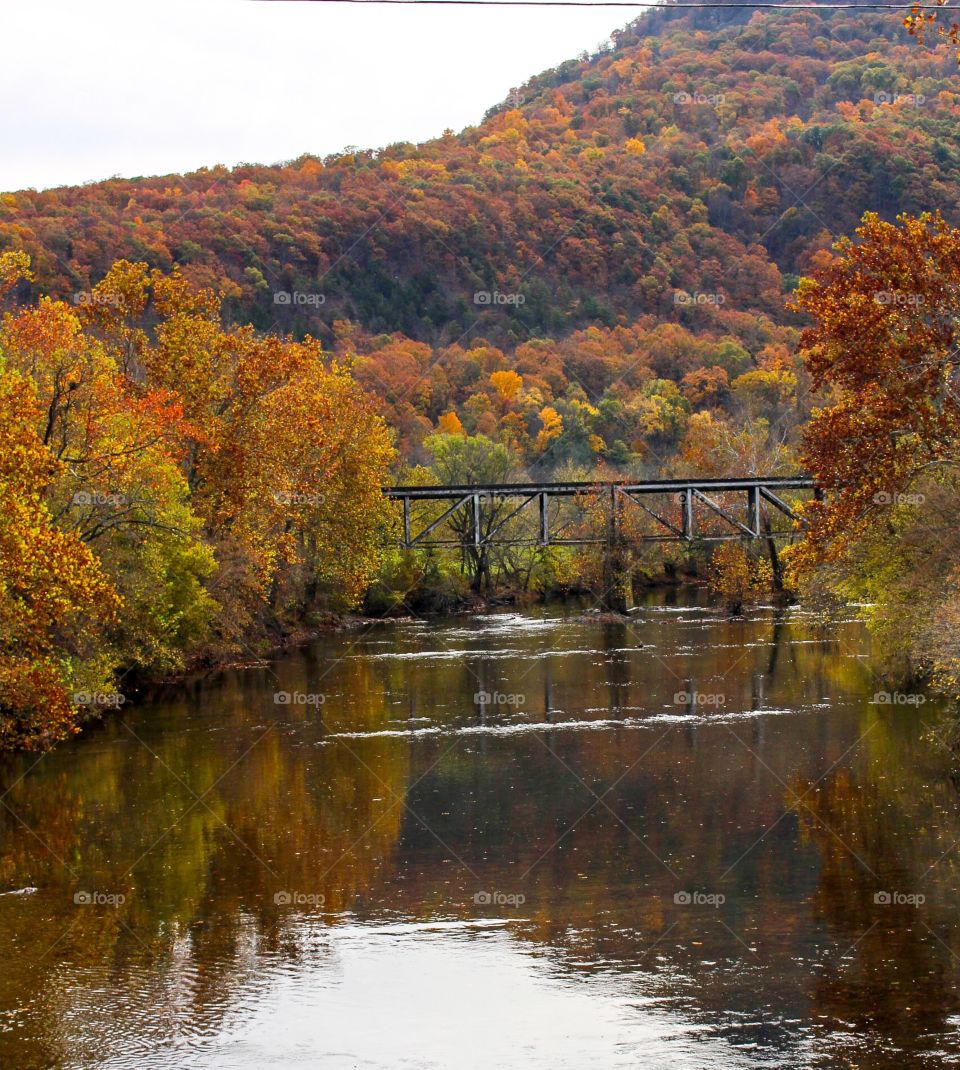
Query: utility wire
[703, 6]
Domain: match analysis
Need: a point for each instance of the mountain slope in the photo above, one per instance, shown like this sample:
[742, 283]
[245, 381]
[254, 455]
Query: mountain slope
[710, 153]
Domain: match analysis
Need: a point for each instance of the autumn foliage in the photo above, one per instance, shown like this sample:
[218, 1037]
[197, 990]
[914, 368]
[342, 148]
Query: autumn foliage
[580, 276]
[171, 489]
[712, 152]
[54, 596]
[885, 444]
[883, 353]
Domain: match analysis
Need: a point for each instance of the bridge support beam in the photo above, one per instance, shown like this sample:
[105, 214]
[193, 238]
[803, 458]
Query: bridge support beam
[686, 526]
[617, 596]
[753, 511]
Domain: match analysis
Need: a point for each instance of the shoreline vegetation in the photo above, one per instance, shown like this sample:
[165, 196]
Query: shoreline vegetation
[174, 488]
[427, 607]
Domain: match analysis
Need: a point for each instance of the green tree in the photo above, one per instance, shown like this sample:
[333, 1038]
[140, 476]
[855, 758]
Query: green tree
[474, 460]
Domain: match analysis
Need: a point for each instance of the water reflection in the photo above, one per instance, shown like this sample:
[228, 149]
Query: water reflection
[543, 839]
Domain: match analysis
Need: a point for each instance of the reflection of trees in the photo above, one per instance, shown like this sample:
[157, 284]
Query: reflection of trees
[881, 831]
[700, 799]
[278, 814]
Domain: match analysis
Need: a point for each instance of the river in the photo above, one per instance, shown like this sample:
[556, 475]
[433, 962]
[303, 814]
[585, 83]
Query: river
[538, 839]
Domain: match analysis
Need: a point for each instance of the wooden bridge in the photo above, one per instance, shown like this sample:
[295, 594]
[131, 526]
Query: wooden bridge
[481, 516]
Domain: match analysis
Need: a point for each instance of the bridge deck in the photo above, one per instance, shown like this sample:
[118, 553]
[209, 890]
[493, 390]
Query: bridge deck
[650, 486]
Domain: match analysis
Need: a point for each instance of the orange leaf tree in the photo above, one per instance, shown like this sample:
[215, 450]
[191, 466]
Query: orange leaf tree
[170, 488]
[885, 446]
[282, 451]
[883, 351]
[55, 601]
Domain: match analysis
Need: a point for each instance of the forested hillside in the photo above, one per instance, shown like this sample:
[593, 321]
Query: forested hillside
[604, 258]
[706, 152]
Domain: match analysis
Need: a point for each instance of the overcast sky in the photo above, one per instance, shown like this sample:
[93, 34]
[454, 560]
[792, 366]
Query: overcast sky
[140, 87]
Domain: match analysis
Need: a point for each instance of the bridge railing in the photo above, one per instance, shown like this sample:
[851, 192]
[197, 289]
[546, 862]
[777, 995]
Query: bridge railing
[480, 515]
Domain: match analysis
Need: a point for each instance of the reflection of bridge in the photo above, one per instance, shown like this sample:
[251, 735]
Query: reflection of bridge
[479, 515]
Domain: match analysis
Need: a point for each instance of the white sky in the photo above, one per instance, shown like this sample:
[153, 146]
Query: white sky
[102, 87]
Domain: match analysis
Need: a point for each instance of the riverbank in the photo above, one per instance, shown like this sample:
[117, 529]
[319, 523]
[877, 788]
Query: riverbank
[430, 604]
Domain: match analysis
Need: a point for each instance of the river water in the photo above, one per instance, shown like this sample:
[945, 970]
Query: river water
[508, 840]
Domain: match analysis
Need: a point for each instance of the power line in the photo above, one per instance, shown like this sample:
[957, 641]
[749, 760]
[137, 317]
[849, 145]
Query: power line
[702, 6]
